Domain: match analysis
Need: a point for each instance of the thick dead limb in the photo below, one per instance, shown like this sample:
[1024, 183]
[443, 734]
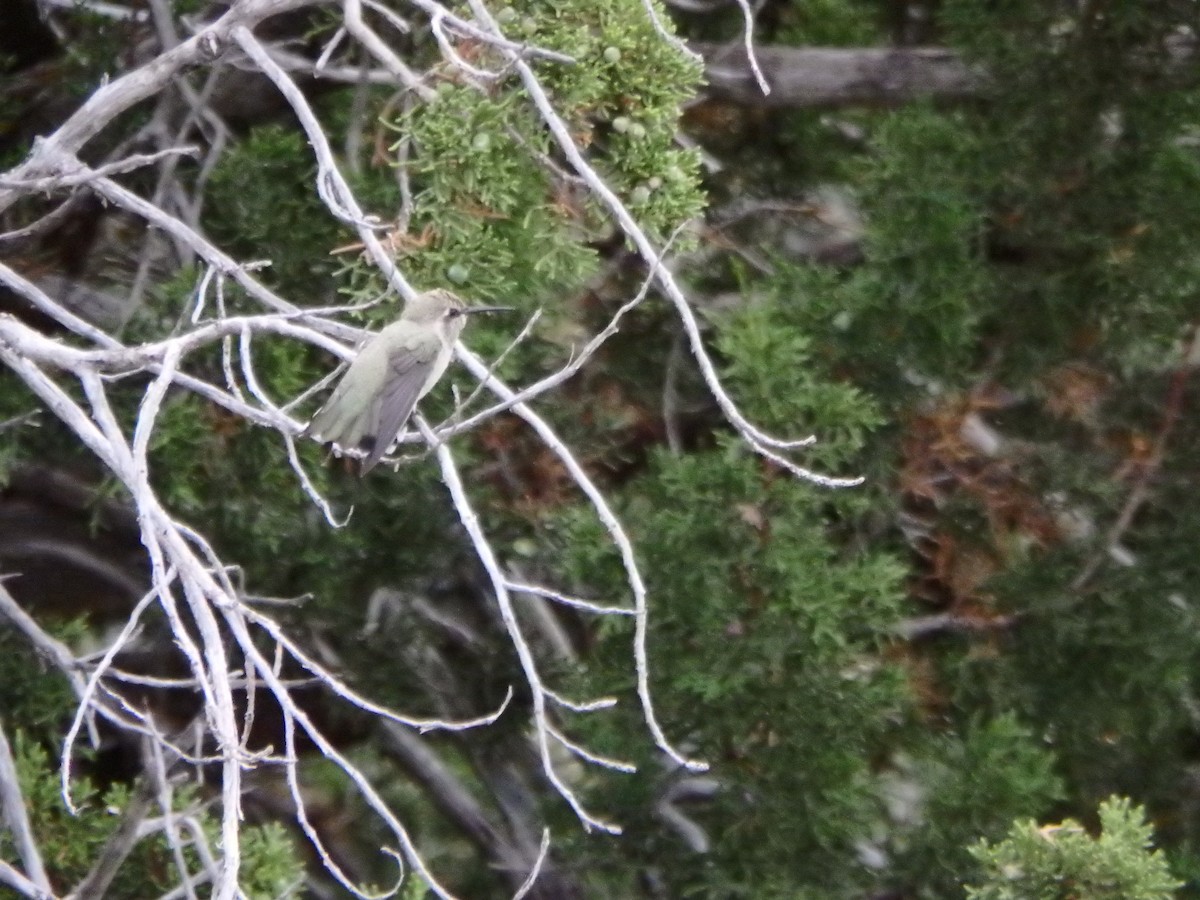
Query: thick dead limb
[808, 77]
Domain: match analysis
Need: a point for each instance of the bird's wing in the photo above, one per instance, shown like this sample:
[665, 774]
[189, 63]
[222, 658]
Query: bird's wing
[347, 413]
[408, 369]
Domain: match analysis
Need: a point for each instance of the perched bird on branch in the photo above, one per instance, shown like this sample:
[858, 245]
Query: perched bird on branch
[393, 370]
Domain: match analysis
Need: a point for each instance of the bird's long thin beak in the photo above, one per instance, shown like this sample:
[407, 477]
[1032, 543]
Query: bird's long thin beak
[472, 310]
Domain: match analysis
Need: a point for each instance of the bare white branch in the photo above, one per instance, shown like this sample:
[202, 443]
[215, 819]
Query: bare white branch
[528, 883]
[14, 879]
[762, 442]
[487, 558]
[605, 762]
[620, 539]
[748, 41]
[16, 817]
[518, 587]
[116, 97]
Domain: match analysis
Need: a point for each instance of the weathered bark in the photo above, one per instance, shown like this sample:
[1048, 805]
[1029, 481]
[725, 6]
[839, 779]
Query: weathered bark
[827, 76]
[808, 77]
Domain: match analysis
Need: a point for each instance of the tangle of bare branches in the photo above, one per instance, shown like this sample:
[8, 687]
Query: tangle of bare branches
[227, 641]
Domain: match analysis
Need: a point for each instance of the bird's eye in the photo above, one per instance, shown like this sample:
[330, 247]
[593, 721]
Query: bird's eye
[453, 313]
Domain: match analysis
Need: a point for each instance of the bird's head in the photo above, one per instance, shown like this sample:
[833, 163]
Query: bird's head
[433, 306]
[439, 306]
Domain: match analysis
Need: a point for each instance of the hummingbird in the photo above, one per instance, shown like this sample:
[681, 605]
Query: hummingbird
[394, 369]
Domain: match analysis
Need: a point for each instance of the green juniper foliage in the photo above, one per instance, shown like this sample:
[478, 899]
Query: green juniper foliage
[966, 786]
[776, 679]
[272, 169]
[491, 214]
[1038, 226]
[1064, 862]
